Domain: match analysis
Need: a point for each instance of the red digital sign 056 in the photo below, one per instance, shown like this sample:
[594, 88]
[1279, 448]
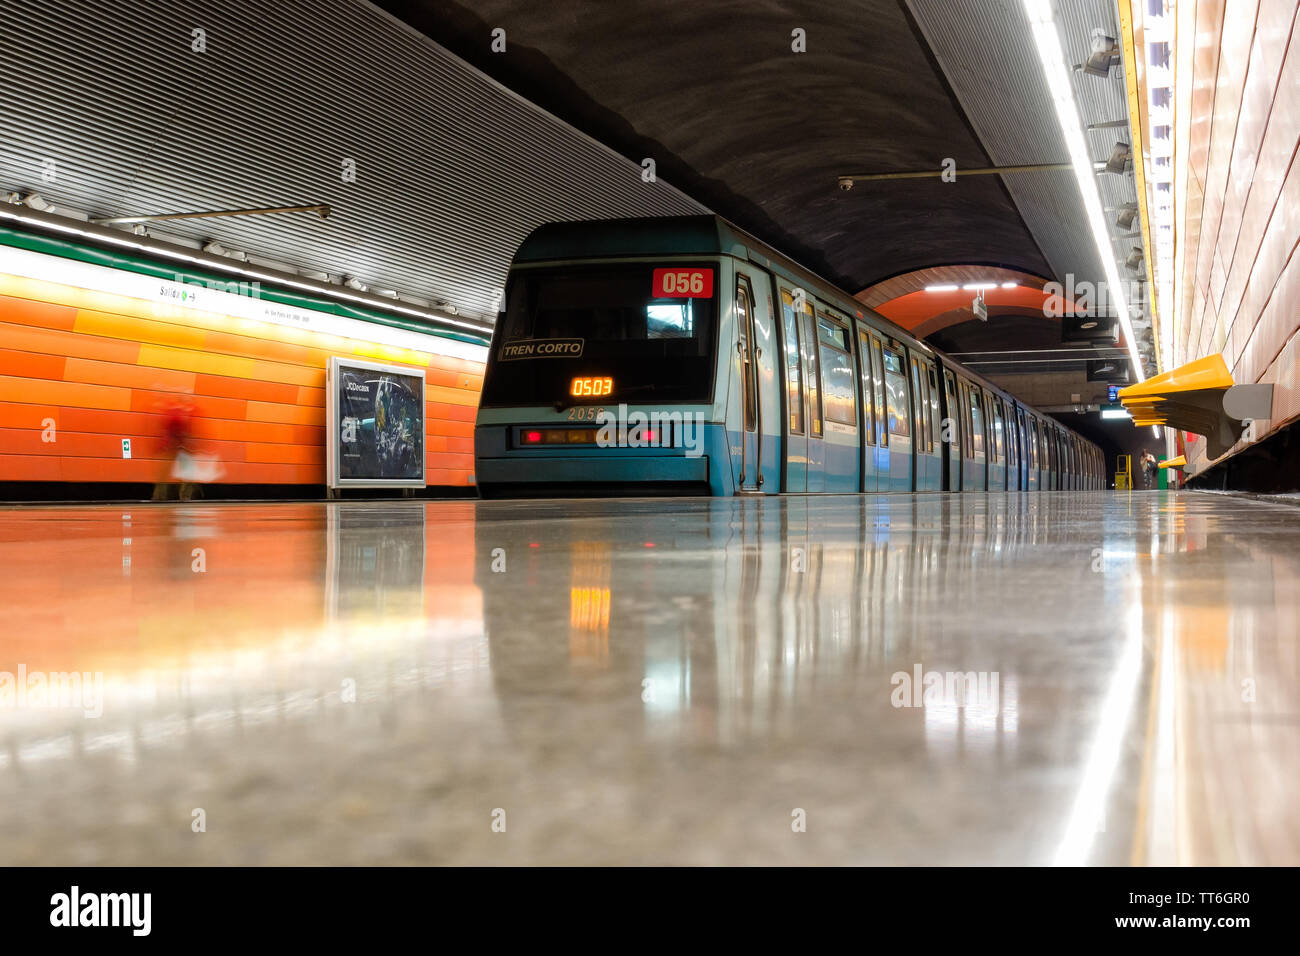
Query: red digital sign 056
[682, 283]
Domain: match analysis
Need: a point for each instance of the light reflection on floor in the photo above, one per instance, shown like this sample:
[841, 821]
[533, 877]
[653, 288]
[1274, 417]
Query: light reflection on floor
[653, 681]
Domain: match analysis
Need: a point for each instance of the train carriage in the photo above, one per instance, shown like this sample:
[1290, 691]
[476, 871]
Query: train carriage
[680, 355]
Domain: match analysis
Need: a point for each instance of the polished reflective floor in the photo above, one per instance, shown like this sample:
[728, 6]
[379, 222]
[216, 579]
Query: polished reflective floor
[1055, 678]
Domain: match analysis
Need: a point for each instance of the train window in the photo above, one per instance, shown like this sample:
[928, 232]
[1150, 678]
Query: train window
[832, 333]
[743, 325]
[896, 394]
[950, 386]
[868, 387]
[793, 367]
[837, 372]
[977, 424]
[627, 332]
[878, 380]
[812, 375]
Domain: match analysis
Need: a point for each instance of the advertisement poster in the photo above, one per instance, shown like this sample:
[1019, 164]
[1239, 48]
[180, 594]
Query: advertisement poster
[375, 425]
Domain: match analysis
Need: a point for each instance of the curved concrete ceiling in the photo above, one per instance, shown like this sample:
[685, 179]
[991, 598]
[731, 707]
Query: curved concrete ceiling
[714, 93]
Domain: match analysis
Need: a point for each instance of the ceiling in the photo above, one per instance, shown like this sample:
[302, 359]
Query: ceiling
[715, 95]
[459, 151]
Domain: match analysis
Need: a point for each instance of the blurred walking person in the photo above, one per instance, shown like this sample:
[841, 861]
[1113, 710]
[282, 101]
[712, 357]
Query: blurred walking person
[178, 427]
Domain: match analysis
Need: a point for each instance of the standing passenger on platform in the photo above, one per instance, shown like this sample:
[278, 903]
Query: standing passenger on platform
[1148, 468]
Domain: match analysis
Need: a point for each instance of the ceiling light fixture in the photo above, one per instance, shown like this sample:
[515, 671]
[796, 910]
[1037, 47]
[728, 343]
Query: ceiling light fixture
[1058, 76]
[941, 288]
[1119, 157]
[1103, 54]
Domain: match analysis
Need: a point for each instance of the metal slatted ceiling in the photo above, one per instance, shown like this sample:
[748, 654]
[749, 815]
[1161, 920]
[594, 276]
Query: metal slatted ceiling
[452, 171]
[987, 52]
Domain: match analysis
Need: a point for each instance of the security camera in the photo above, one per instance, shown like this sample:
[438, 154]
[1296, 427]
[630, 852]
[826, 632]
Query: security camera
[846, 183]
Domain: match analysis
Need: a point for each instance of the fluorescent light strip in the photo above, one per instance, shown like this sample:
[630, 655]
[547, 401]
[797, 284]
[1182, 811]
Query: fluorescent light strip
[235, 268]
[1058, 75]
[941, 288]
[163, 296]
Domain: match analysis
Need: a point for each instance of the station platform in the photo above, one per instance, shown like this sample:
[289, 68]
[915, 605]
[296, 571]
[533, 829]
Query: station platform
[912, 679]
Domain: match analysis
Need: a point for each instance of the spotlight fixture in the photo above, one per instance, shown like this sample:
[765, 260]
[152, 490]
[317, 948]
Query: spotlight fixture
[354, 283]
[1103, 53]
[1119, 156]
[1128, 212]
[1134, 260]
[215, 248]
[34, 201]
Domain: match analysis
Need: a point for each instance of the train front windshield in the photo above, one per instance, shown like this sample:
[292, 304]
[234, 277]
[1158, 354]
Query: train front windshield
[642, 334]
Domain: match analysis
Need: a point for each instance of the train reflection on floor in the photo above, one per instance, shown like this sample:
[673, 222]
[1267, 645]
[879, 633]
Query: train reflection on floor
[921, 679]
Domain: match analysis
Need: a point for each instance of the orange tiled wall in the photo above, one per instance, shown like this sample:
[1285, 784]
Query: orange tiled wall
[102, 367]
[1241, 278]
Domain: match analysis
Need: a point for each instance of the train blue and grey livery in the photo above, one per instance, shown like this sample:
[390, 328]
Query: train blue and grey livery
[682, 356]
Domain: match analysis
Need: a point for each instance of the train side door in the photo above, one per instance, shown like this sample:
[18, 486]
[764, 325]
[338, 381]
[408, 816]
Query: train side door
[869, 433]
[746, 463]
[765, 371]
[900, 418]
[881, 452]
[795, 466]
[952, 433]
[1022, 437]
[996, 474]
[1013, 448]
[841, 442]
[930, 412]
[812, 379]
[975, 477]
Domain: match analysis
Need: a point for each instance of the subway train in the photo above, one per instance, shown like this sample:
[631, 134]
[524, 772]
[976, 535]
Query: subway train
[679, 355]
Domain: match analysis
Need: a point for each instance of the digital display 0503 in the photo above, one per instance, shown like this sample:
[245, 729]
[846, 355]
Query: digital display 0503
[591, 386]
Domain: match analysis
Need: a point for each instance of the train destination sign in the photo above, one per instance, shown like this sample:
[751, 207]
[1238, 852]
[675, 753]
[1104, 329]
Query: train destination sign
[682, 284]
[540, 348]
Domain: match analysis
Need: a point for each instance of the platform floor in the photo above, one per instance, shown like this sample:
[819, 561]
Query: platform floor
[647, 681]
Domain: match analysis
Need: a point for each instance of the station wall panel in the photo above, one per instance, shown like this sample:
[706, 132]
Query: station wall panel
[99, 368]
[1241, 279]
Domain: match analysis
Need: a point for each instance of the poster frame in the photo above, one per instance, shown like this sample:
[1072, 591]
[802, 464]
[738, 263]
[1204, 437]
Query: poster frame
[332, 370]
